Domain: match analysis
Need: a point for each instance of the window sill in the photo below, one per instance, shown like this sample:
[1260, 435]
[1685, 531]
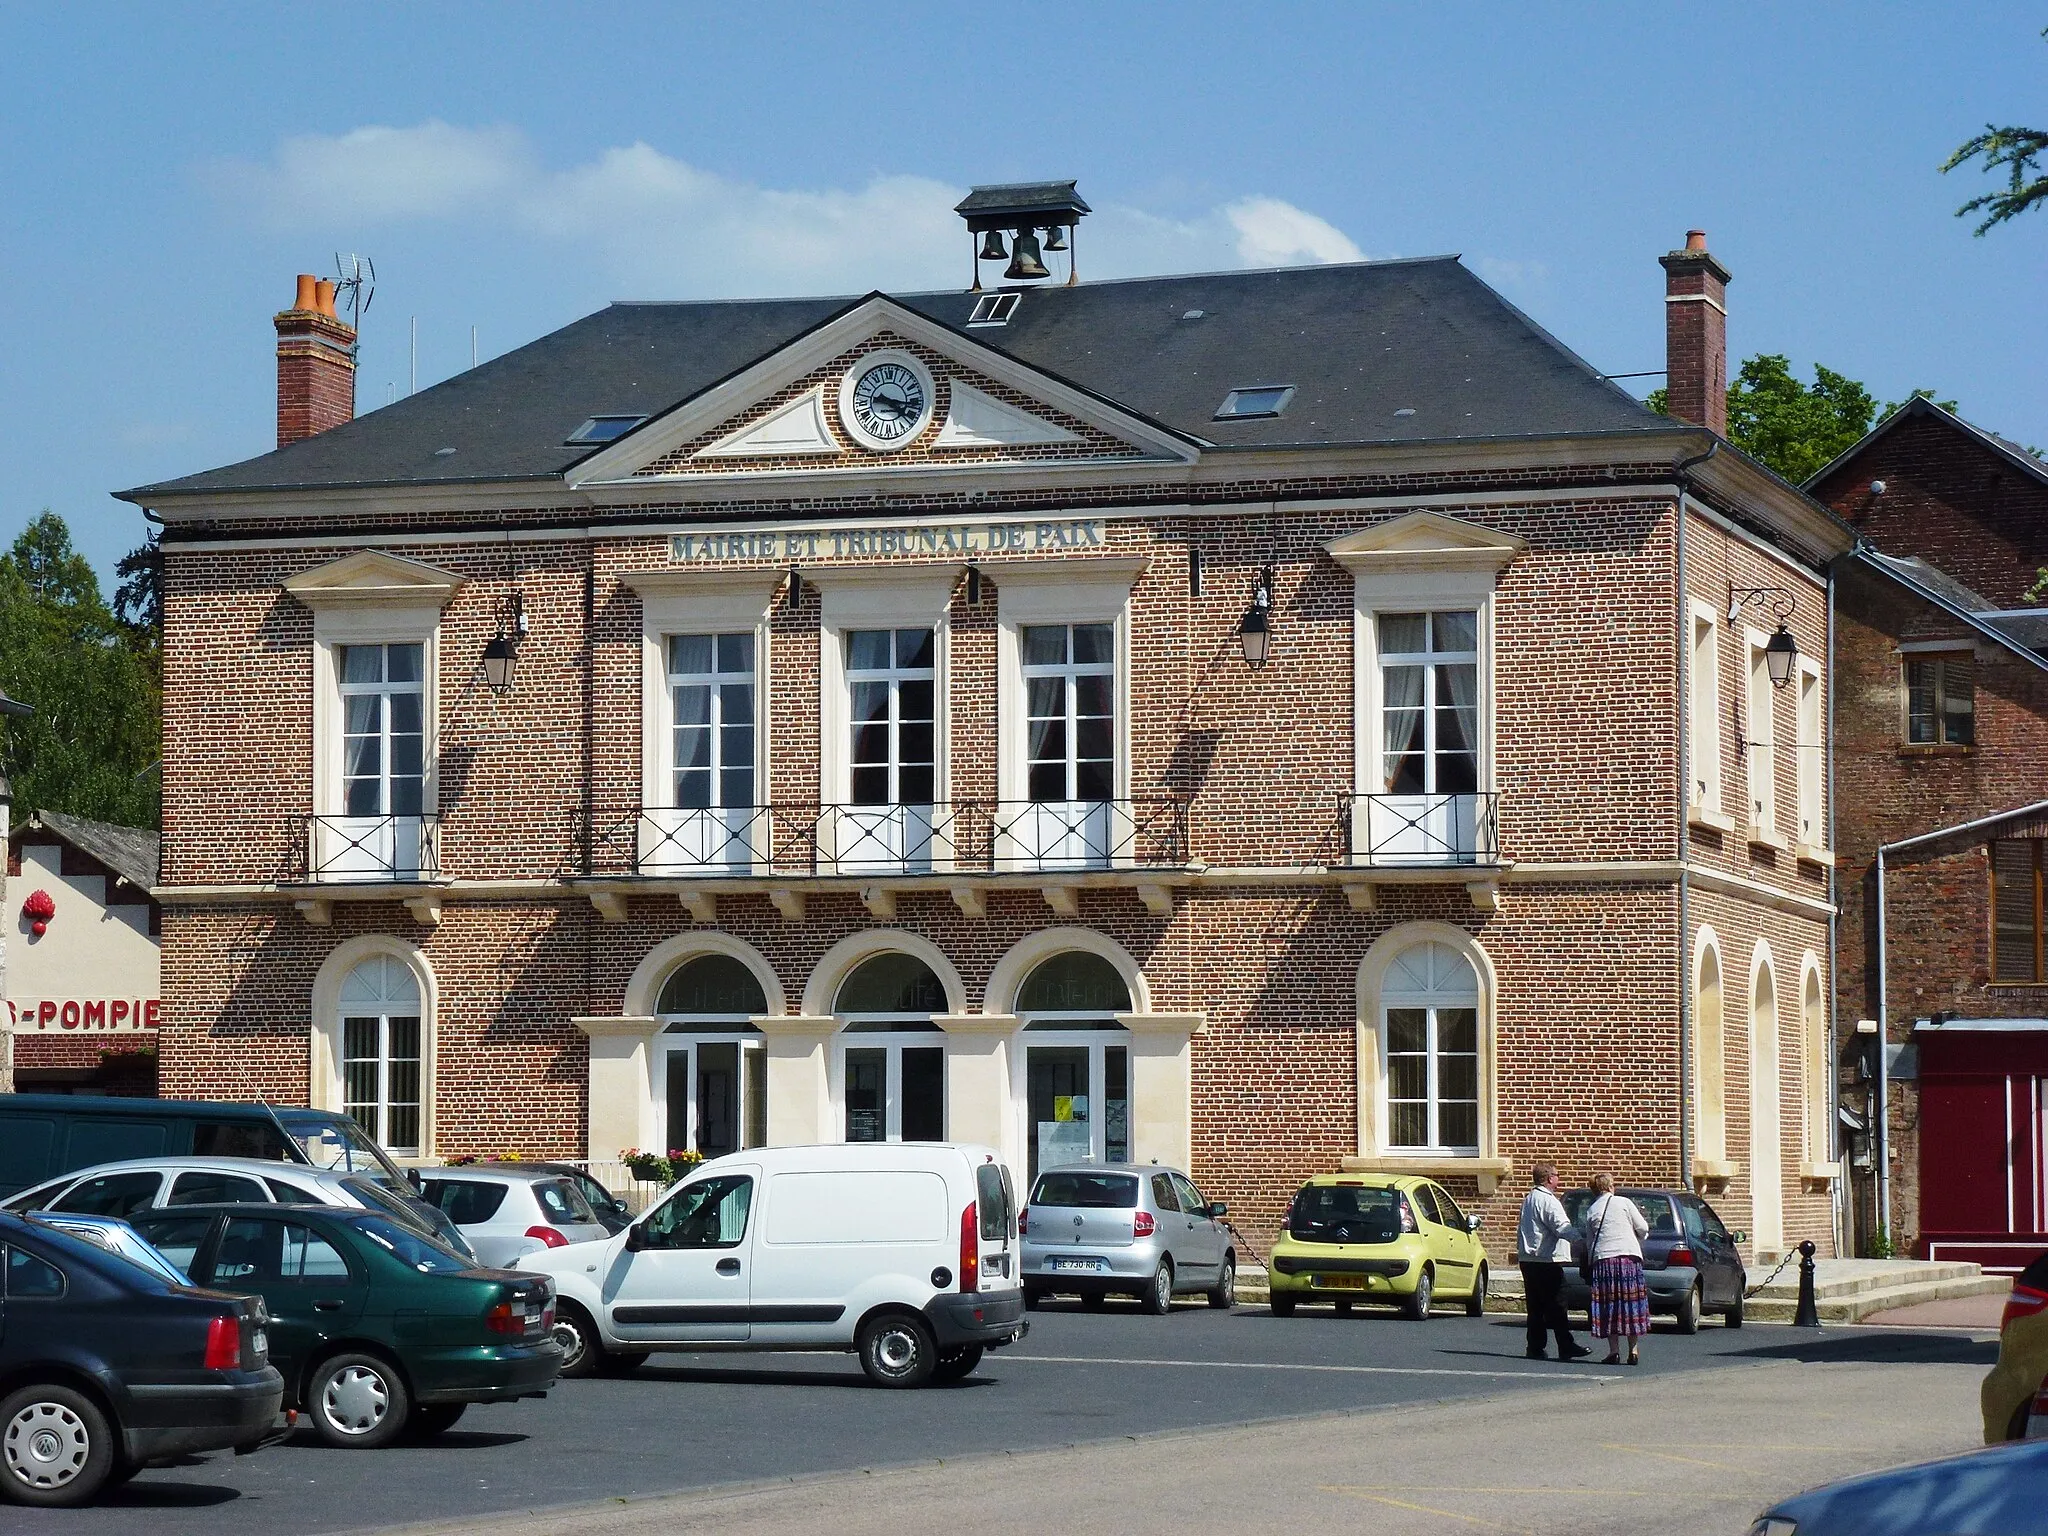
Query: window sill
[1937, 749]
[1712, 820]
[1768, 837]
[1714, 1173]
[1820, 1175]
[1489, 1171]
[1808, 854]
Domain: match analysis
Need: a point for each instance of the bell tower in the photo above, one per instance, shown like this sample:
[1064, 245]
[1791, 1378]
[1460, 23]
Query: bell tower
[1023, 211]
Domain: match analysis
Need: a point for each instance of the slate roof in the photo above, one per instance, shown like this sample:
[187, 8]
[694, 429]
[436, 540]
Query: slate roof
[1378, 352]
[130, 852]
[2025, 635]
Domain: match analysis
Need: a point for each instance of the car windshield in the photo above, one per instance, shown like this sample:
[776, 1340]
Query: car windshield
[339, 1145]
[35, 1199]
[412, 1248]
[1345, 1213]
[562, 1203]
[1656, 1208]
[1089, 1191]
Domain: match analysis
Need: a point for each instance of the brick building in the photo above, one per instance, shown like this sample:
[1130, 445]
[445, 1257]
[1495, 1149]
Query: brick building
[1941, 667]
[1263, 721]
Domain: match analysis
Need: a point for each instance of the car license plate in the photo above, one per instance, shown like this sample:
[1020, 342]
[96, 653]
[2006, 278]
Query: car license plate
[262, 1344]
[1340, 1282]
[1077, 1266]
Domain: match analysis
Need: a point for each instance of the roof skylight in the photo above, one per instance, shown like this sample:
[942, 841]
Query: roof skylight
[995, 308]
[1255, 400]
[605, 429]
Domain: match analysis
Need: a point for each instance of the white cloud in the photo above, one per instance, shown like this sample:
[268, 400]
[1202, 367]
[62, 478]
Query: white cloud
[1516, 276]
[654, 226]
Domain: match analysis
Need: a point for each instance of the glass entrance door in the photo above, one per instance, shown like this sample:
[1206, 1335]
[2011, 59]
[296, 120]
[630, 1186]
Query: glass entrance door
[895, 1091]
[714, 1095]
[1077, 1099]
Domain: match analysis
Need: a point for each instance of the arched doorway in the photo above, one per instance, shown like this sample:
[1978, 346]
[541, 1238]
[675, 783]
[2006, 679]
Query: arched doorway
[380, 1056]
[1429, 1000]
[1766, 1157]
[1710, 1054]
[711, 1083]
[1076, 1067]
[891, 1062]
[1815, 1070]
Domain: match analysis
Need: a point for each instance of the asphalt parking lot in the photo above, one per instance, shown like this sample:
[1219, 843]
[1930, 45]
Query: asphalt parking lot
[687, 1421]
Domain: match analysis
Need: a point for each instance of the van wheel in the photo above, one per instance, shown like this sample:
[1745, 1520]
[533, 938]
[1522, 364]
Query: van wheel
[359, 1402]
[1283, 1306]
[1475, 1304]
[577, 1337]
[1224, 1297]
[1416, 1307]
[1688, 1314]
[56, 1447]
[957, 1363]
[1158, 1297]
[896, 1350]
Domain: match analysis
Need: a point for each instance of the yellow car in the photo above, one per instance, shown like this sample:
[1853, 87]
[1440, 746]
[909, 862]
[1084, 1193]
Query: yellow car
[2015, 1395]
[1379, 1238]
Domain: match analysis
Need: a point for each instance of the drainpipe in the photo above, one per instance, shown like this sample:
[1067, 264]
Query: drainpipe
[1685, 1019]
[1832, 1139]
[1882, 1152]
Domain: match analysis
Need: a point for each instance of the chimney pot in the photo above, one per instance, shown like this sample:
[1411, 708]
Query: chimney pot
[308, 297]
[1696, 335]
[323, 296]
[316, 364]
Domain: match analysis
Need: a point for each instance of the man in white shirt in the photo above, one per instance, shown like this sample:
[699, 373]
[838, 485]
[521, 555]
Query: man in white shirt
[1543, 1246]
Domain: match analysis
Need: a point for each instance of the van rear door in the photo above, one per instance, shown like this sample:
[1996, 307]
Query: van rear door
[996, 1199]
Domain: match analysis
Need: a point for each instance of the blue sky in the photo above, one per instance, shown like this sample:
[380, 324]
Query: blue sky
[168, 169]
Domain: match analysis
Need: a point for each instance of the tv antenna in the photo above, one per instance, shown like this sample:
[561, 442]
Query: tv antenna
[355, 284]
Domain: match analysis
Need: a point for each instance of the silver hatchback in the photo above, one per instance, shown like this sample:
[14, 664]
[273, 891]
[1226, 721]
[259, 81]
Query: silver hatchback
[1093, 1230]
[507, 1213]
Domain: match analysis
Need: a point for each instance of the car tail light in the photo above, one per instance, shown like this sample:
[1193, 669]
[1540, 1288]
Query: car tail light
[1679, 1254]
[2025, 1301]
[1023, 1221]
[970, 1248]
[549, 1236]
[224, 1344]
[1142, 1224]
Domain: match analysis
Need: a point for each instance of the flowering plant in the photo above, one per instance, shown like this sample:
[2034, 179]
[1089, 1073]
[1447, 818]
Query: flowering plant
[652, 1168]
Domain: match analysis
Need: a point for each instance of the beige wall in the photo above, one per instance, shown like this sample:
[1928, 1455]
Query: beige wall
[89, 959]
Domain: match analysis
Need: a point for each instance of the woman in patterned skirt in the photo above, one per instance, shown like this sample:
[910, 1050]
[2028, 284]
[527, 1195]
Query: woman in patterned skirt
[1614, 1231]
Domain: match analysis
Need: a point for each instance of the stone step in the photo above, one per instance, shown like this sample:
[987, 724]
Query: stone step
[1775, 1306]
[1848, 1277]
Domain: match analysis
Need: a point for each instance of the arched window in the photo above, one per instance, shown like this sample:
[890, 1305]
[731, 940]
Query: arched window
[380, 1052]
[895, 1078]
[718, 985]
[891, 983]
[1072, 983]
[1429, 1002]
[1820, 1089]
[1710, 1055]
[1766, 1156]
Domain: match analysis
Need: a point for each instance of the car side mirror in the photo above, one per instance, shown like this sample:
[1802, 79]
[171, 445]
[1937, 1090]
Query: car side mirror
[1217, 1210]
[1738, 1237]
[636, 1238]
[412, 1177]
[1472, 1223]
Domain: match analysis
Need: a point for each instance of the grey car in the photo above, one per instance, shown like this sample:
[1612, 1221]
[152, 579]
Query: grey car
[509, 1212]
[1690, 1262]
[1094, 1230]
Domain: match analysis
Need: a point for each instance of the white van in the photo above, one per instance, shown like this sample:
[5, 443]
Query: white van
[903, 1252]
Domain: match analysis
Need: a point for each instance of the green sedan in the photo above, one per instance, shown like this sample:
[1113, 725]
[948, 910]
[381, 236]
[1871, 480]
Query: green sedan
[375, 1327]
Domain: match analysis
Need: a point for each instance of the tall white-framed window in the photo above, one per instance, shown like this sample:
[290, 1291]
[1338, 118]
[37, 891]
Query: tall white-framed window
[381, 1055]
[1063, 692]
[892, 687]
[1429, 1002]
[1760, 748]
[704, 742]
[1703, 711]
[1810, 760]
[1423, 801]
[383, 743]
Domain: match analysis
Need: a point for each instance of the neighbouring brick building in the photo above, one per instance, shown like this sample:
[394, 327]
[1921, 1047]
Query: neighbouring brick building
[1941, 744]
[883, 753]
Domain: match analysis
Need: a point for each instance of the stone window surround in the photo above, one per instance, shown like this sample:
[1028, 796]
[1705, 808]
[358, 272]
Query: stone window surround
[1058, 591]
[323, 1086]
[880, 597]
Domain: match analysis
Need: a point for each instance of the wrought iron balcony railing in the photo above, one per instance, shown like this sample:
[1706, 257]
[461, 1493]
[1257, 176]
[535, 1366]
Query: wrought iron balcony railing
[954, 837]
[1421, 831]
[346, 848]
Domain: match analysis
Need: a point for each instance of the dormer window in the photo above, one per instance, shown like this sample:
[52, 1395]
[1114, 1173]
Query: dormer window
[1254, 401]
[604, 429]
[995, 308]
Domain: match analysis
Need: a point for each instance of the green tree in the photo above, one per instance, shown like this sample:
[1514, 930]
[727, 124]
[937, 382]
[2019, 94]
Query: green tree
[1793, 427]
[92, 745]
[2015, 151]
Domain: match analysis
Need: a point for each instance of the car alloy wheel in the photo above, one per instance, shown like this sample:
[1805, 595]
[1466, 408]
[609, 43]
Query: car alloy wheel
[1224, 1296]
[1688, 1315]
[1475, 1304]
[1417, 1306]
[55, 1446]
[1159, 1294]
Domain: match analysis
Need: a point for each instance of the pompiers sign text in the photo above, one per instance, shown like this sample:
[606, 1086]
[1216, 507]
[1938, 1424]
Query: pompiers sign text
[903, 541]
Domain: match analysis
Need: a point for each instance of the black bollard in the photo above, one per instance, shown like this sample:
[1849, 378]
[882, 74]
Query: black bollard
[1808, 1313]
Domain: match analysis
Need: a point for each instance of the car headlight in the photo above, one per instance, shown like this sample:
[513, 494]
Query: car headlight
[1774, 1525]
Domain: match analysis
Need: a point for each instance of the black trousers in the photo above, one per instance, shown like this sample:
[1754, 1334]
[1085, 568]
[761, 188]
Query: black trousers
[1541, 1285]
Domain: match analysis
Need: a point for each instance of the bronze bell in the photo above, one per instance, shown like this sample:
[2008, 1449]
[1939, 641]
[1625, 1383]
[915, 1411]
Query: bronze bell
[1025, 262]
[992, 246]
[1056, 238]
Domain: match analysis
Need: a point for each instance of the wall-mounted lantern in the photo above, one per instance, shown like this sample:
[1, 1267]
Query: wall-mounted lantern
[1255, 629]
[1781, 651]
[501, 651]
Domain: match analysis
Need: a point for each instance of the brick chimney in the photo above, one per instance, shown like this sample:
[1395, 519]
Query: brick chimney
[1696, 335]
[316, 364]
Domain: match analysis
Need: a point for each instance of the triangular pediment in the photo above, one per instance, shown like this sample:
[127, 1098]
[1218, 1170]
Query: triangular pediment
[795, 412]
[1426, 541]
[372, 577]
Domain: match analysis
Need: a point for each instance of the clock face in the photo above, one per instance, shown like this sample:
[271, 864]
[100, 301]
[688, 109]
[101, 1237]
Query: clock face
[889, 403]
